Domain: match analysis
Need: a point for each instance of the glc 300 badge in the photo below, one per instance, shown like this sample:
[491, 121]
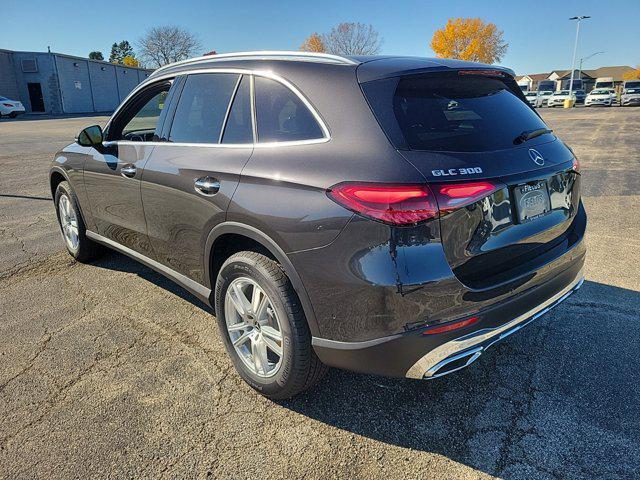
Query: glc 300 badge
[456, 171]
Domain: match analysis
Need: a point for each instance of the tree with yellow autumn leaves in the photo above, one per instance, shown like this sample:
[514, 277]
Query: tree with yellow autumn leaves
[632, 74]
[469, 39]
[313, 43]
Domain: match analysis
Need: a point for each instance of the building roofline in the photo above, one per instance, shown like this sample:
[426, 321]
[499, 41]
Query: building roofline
[265, 55]
[75, 57]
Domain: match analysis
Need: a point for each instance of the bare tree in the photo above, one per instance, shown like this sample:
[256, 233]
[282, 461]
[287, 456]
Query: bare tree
[167, 44]
[352, 39]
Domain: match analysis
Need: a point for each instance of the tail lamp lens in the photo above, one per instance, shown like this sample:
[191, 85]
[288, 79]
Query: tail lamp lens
[409, 204]
[576, 165]
[389, 203]
[451, 326]
[452, 196]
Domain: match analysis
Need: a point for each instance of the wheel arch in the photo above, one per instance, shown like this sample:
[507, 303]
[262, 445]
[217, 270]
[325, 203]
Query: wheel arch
[56, 176]
[266, 245]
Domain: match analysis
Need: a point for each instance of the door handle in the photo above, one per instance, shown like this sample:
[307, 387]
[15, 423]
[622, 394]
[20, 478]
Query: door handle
[207, 186]
[128, 170]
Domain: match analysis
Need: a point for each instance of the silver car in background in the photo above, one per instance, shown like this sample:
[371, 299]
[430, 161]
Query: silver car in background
[631, 96]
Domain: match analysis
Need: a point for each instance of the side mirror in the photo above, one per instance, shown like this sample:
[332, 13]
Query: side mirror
[90, 136]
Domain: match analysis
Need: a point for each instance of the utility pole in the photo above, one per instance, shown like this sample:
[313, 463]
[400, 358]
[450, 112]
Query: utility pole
[575, 49]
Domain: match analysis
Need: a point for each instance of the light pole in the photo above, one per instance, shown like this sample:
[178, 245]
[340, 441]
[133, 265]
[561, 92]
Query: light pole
[583, 59]
[575, 49]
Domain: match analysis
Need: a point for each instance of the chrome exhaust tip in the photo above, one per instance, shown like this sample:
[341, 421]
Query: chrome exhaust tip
[453, 363]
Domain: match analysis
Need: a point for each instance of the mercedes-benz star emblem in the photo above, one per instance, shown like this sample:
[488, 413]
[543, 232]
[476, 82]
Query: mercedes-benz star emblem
[537, 158]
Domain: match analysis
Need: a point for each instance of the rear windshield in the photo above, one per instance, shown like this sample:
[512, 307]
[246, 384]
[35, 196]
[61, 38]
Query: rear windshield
[450, 112]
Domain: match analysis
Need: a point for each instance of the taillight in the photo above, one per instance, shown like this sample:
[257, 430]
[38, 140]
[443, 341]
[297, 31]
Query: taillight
[576, 165]
[409, 204]
[448, 327]
[452, 196]
[7, 104]
[389, 203]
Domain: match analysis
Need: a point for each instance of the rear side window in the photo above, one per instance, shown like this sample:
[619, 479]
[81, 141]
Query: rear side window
[202, 107]
[239, 127]
[281, 115]
[450, 112]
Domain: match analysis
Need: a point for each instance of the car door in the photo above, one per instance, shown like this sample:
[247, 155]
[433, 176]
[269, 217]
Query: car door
[113, 171]
[192, 174]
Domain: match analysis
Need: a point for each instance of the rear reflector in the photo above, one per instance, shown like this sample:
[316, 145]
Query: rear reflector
[389, 203]
[452, 196]
[451, 326]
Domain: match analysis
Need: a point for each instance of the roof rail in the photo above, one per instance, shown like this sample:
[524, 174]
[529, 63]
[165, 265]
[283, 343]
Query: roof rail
[264, 55]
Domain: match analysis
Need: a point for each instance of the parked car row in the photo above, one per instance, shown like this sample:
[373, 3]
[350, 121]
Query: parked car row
[599, 96]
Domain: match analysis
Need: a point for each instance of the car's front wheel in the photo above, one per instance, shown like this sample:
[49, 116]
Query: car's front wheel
[264, 328]
[72, 225]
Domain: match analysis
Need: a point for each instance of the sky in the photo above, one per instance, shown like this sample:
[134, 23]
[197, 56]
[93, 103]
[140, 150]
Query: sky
[539, 34]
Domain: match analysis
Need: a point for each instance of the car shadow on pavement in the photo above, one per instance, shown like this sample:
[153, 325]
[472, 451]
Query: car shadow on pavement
[558, 399]
[117, 261]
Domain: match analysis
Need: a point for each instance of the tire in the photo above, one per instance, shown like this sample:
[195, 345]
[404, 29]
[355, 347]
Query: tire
[13, 115]
[85, 249]
[298, 367]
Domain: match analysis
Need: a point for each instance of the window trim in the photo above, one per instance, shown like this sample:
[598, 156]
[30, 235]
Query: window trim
[241, 71]
[131, 101]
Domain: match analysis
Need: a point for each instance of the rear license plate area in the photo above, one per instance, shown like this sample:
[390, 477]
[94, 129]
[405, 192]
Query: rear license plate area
[531, 200]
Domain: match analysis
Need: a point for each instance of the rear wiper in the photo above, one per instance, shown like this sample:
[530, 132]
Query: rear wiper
[530, 134]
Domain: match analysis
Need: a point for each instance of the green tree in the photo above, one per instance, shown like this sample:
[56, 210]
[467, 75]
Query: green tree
[119, 51]
[95, 55]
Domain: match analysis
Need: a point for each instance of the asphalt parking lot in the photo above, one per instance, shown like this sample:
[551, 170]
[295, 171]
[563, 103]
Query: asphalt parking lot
[109, 370]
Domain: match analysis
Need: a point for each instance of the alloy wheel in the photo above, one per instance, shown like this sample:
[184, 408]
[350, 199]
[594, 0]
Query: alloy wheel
[253, 327]
[68, 222]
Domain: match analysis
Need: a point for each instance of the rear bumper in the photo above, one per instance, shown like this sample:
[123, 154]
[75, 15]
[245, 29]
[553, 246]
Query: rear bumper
[415, 355]
[463, 351]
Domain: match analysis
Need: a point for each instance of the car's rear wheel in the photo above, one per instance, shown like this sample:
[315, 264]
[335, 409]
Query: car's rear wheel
[264, 328]
[72, 225]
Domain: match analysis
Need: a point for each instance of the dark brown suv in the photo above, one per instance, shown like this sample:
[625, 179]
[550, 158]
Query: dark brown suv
[387, 215]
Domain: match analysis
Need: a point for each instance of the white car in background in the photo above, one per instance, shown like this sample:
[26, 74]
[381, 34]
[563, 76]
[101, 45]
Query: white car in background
[558, 98]
[631, 96]
[600, 96]
[532, 98]
[543, 98]
[10, 108]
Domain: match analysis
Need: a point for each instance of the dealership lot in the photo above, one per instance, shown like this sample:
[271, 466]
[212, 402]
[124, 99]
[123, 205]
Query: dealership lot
[109, 369]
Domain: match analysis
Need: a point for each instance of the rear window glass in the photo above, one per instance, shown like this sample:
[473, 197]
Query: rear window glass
[450, 112]
[239, 128]
[202, 107]
[281, 115]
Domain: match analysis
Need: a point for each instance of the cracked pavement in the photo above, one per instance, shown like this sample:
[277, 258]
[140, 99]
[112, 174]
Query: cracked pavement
[110, 370]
